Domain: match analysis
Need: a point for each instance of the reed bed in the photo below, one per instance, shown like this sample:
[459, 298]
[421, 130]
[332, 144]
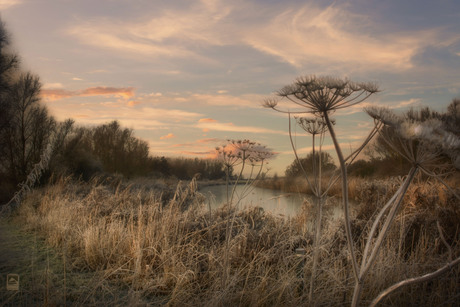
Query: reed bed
[171, 250]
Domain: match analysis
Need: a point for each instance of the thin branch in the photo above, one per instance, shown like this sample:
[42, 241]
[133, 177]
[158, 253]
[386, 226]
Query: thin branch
[443, 239]
[295, 153]
[414, 280]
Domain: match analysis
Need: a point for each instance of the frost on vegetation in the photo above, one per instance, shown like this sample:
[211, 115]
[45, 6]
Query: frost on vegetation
[431, 133]
[319, 94]
[244, 155]
[313, 125]
[39, 168]
[236, 152]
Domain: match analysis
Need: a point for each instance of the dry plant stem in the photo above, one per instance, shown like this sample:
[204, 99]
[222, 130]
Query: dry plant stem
[319, 205]
[295, 153]
[414, 280]
[437, 177]
[371, 135]
[443, 239]
[227, 177]
[315, 174]
[350, 158]
[239, 177]
[375, 224]
[384, 231]
[346, 210]
[390, 218]
[249, 185]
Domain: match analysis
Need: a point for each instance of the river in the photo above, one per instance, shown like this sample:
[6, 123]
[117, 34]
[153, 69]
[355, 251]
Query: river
[275, 201]
[278, 202]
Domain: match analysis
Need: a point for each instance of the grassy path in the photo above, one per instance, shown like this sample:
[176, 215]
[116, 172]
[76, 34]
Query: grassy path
[45, 282]
[39, 268]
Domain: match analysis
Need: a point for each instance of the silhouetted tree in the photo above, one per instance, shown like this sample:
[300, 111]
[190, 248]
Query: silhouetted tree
[119, 150]
[29, 127]
[294, 169]
[8, 65]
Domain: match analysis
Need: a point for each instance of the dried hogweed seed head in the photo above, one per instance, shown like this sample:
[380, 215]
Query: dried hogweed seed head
[420, 139]
[324, 94]
[313, 125]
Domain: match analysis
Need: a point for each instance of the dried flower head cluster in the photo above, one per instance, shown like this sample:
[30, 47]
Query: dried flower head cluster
[421, 141]
[323, 94]
[239, 151]
[313, 126]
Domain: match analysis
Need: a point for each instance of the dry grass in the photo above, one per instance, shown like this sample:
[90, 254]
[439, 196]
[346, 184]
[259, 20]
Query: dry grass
[159, 251]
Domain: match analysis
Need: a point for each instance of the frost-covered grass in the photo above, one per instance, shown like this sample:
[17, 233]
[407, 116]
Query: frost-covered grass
[149, 247]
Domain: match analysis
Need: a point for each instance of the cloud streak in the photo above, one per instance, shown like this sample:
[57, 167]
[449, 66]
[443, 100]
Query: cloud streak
[230, 127]
[6, 4]
[297, 35]
[106, 91]
[333, 35]
[168, 136]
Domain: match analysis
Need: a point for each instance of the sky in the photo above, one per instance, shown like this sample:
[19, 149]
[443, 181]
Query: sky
[187, 75]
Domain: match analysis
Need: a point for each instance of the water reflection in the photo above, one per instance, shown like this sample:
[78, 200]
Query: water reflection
[277, 202]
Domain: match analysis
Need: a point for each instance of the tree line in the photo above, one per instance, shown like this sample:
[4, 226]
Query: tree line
[26, 128]
[380, 159]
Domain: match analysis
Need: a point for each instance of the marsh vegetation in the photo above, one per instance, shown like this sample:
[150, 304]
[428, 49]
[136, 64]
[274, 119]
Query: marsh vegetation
[124, 223]
[145, 249]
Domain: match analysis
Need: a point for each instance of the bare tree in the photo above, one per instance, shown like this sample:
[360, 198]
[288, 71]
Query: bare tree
[29, 127]
[8, 65]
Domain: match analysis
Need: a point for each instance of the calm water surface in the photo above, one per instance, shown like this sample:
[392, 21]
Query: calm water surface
[277, 202]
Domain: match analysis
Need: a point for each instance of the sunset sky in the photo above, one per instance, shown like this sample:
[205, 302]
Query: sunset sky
[187, 75]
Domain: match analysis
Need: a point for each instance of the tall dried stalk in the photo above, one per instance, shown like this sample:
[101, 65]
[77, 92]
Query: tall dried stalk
[321, 96]
[241, 153]
[313, 126]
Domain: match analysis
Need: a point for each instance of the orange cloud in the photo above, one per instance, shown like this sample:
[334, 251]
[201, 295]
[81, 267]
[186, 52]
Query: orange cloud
[208, 140]
[123, 92]
[133, 103]
[57, 94]
[207, 120]
[198, 143]
[206, 154]
[168, 136]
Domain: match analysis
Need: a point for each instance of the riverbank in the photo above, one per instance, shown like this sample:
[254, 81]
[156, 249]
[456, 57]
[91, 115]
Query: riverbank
[356, 185]
[144, 248]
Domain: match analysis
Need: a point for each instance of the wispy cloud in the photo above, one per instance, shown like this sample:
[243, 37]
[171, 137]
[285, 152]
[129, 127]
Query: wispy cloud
[334, 35]
[207, 120]
[296, 35]
[235, 101]
[170, 34]
[230, 127]
[201, 147]
[55, 85]
[200, 143]
[143, 118]
[56, 93]
[167, 136]
[247, 100]
[411, 102]
[6, 4]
